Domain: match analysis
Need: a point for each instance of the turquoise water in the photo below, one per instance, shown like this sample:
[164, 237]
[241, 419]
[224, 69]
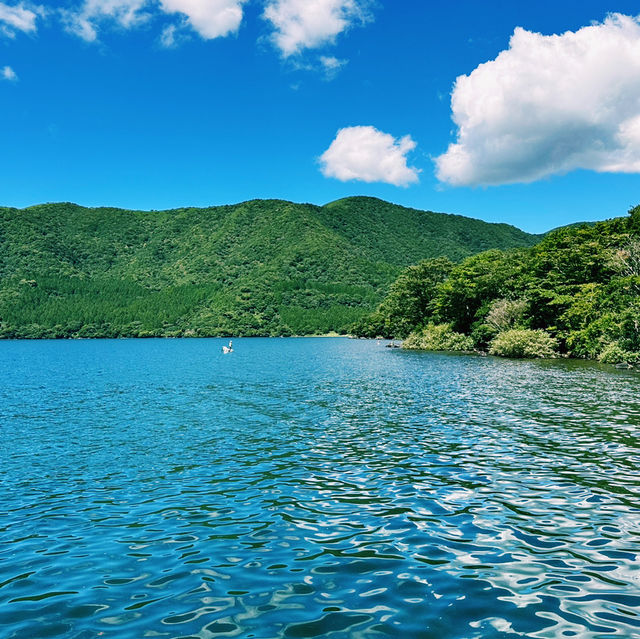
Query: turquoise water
[314, 488]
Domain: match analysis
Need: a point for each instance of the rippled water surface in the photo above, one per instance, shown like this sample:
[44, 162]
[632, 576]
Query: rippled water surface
[312, 488]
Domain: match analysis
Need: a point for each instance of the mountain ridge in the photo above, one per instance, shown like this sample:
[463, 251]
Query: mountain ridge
[259, 267]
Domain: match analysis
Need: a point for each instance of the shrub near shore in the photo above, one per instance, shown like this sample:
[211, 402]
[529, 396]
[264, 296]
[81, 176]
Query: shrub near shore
[438, 338]
[523, 342]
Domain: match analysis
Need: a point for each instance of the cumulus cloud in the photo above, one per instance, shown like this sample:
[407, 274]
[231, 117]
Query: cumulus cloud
[209, 18]
[547, 105]
[7, 73]
[366, 154]
[303, 24]
[18, 18]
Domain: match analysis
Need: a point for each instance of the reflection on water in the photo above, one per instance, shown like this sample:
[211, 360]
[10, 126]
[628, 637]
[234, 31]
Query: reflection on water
[312, 488]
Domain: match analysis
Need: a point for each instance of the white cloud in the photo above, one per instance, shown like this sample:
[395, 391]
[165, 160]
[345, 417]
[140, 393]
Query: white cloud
[331, 64]
[302, 24]
[7, 73]
[209, 18]
[549, 104]
[169, 37]
[366, 154]
[18, 18]
[127, 13]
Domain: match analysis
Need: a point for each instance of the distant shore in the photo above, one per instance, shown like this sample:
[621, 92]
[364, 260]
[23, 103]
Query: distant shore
[182, 336]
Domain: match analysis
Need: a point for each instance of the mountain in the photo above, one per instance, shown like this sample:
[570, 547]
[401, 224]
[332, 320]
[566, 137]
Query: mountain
[263, 267]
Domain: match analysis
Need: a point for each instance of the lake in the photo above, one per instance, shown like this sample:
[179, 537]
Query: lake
[314, 488]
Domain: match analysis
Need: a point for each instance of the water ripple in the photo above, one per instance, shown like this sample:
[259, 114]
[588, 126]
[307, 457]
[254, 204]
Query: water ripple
[311, 488]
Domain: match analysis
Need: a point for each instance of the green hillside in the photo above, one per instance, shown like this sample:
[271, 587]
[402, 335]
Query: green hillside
[263, 267]
[575, 293]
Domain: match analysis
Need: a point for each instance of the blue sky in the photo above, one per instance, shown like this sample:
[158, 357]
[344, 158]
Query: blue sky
[155, 104]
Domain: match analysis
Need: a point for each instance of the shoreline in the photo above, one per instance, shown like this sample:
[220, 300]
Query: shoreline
[124, 337]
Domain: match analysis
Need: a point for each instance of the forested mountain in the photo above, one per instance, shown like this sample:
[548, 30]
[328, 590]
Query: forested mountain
[576, 292]
[263, 267]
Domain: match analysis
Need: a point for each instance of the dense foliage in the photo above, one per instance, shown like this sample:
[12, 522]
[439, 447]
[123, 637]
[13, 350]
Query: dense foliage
[577, 292]
[523, 342]
[264, 267]
[438, 337]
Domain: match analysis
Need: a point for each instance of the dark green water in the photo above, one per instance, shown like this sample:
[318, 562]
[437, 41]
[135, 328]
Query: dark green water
[314, 488]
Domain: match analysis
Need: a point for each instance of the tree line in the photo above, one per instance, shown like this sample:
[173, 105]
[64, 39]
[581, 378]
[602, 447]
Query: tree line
[575, 293]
